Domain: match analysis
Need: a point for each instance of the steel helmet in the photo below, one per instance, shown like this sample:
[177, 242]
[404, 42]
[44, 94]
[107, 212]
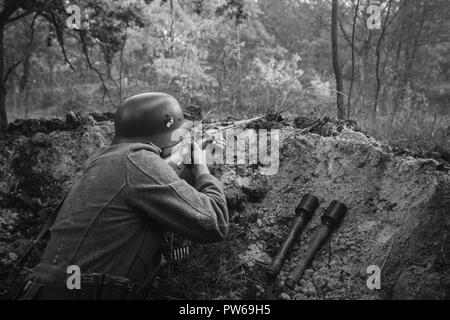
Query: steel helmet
[149, 117]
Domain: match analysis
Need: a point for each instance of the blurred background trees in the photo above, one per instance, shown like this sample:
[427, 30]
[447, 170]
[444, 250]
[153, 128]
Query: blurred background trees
[235, 58]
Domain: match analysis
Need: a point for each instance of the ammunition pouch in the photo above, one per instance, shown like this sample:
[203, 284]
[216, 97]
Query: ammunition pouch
[94, 286]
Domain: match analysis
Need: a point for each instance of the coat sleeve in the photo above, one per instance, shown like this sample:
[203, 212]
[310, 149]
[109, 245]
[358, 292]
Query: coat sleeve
[154, 189]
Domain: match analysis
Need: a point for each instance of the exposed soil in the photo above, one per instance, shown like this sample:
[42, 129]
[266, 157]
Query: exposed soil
[398, 218]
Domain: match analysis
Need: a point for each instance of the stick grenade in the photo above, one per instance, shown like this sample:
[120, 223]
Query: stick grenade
[304, 212]
[330, 221]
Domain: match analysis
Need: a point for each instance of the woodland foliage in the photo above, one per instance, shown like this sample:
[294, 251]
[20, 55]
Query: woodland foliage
[233, 58]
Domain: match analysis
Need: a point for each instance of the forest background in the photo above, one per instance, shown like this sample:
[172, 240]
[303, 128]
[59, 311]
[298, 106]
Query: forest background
[236, 59]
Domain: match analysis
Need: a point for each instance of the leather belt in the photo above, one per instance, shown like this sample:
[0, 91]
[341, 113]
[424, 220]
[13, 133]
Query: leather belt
[95, 286]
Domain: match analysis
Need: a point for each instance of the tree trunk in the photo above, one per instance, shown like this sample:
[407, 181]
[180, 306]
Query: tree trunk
[336, 66]
[378, 60]
[353, 61]
[3, 117]
[51, 77]
[171, 31]
[237, 90]
[27, 58]
[24, 80]
[121, 67]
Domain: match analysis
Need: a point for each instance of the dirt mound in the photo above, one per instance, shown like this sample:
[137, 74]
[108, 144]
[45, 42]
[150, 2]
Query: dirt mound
[398, 216]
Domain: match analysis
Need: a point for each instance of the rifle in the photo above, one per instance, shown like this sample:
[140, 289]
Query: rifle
[205, 138]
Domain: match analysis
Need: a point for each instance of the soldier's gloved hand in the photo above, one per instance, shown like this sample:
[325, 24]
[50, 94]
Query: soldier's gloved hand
[218, 143]
[215, 147]
[199, 166]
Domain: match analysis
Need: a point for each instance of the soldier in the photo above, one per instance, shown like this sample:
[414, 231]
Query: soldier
[112, 222]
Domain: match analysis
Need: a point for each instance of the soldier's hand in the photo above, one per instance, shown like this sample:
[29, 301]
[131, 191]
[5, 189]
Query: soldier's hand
[215, 147]
[216, 139]
[199, 161]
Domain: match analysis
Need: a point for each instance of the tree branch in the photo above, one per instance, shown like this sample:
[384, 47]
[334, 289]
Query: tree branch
[59, 27]
[11, 70]
[18, 17]
[346, 36]
[88, 60]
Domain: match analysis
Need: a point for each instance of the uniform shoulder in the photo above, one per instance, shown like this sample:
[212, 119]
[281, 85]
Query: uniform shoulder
[144, 159]
[108, 154]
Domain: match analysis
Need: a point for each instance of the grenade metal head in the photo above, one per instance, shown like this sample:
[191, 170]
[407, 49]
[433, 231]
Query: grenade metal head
[334, 214]
[307, 206]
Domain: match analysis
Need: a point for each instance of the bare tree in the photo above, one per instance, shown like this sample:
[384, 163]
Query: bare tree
[378, 60]
[335, 57]
[353, 59]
